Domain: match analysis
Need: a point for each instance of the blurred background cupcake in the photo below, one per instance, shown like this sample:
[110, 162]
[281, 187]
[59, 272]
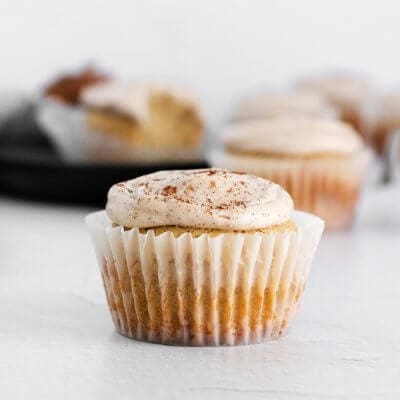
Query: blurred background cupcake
[92, 118]
[382, 119]
[145, 116]
[320, 163]
[347, 92]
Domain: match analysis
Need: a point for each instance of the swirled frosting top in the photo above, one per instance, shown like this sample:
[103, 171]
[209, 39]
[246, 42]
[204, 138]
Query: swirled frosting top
[299, 136]
[203, 198]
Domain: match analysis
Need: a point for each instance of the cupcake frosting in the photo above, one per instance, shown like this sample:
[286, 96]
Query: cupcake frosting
[204, 198]
[292, 136]
[390, 106]
[340, 89]
[294, 104]
[131, 99]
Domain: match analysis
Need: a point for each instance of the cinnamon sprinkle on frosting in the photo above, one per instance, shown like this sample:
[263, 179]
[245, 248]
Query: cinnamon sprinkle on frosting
[208, 198]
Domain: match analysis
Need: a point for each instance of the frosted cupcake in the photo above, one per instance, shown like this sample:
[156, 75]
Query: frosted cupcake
[144, 116]
[202, 257]
[142, 124]
[381, 120]
[320, 163]
[291, 104]
[346, 92]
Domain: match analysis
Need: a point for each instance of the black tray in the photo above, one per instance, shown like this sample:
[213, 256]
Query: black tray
[31, 168]
[36, 174]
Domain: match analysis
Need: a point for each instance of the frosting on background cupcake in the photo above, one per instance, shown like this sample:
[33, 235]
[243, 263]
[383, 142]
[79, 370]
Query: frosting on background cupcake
[298, 136]
[342, 90]
[382, 120]
[292, 104]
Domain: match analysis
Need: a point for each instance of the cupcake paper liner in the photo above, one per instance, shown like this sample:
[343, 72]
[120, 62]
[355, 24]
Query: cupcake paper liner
[65, 126]
[327, 187]
[224, 290]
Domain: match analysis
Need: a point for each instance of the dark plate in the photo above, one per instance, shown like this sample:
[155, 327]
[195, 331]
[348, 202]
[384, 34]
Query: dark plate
[31, 168]
[36, 174]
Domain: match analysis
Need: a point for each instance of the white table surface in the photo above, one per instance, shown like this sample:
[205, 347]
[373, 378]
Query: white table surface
[57, 340]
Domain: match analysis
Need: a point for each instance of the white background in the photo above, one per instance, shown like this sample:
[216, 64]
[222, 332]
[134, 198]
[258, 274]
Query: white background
[221, 48]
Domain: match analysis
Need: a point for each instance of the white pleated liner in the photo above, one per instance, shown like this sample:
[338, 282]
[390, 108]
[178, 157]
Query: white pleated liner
[327, 187]
[223, 290]
[66, 128]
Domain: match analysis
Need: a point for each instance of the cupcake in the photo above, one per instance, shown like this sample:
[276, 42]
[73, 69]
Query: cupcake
[202, 257]
[347, 93]
[381, 120]
[291, 104]
[320, 163]
[147, 115]
[137, 124]
[67, 88]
